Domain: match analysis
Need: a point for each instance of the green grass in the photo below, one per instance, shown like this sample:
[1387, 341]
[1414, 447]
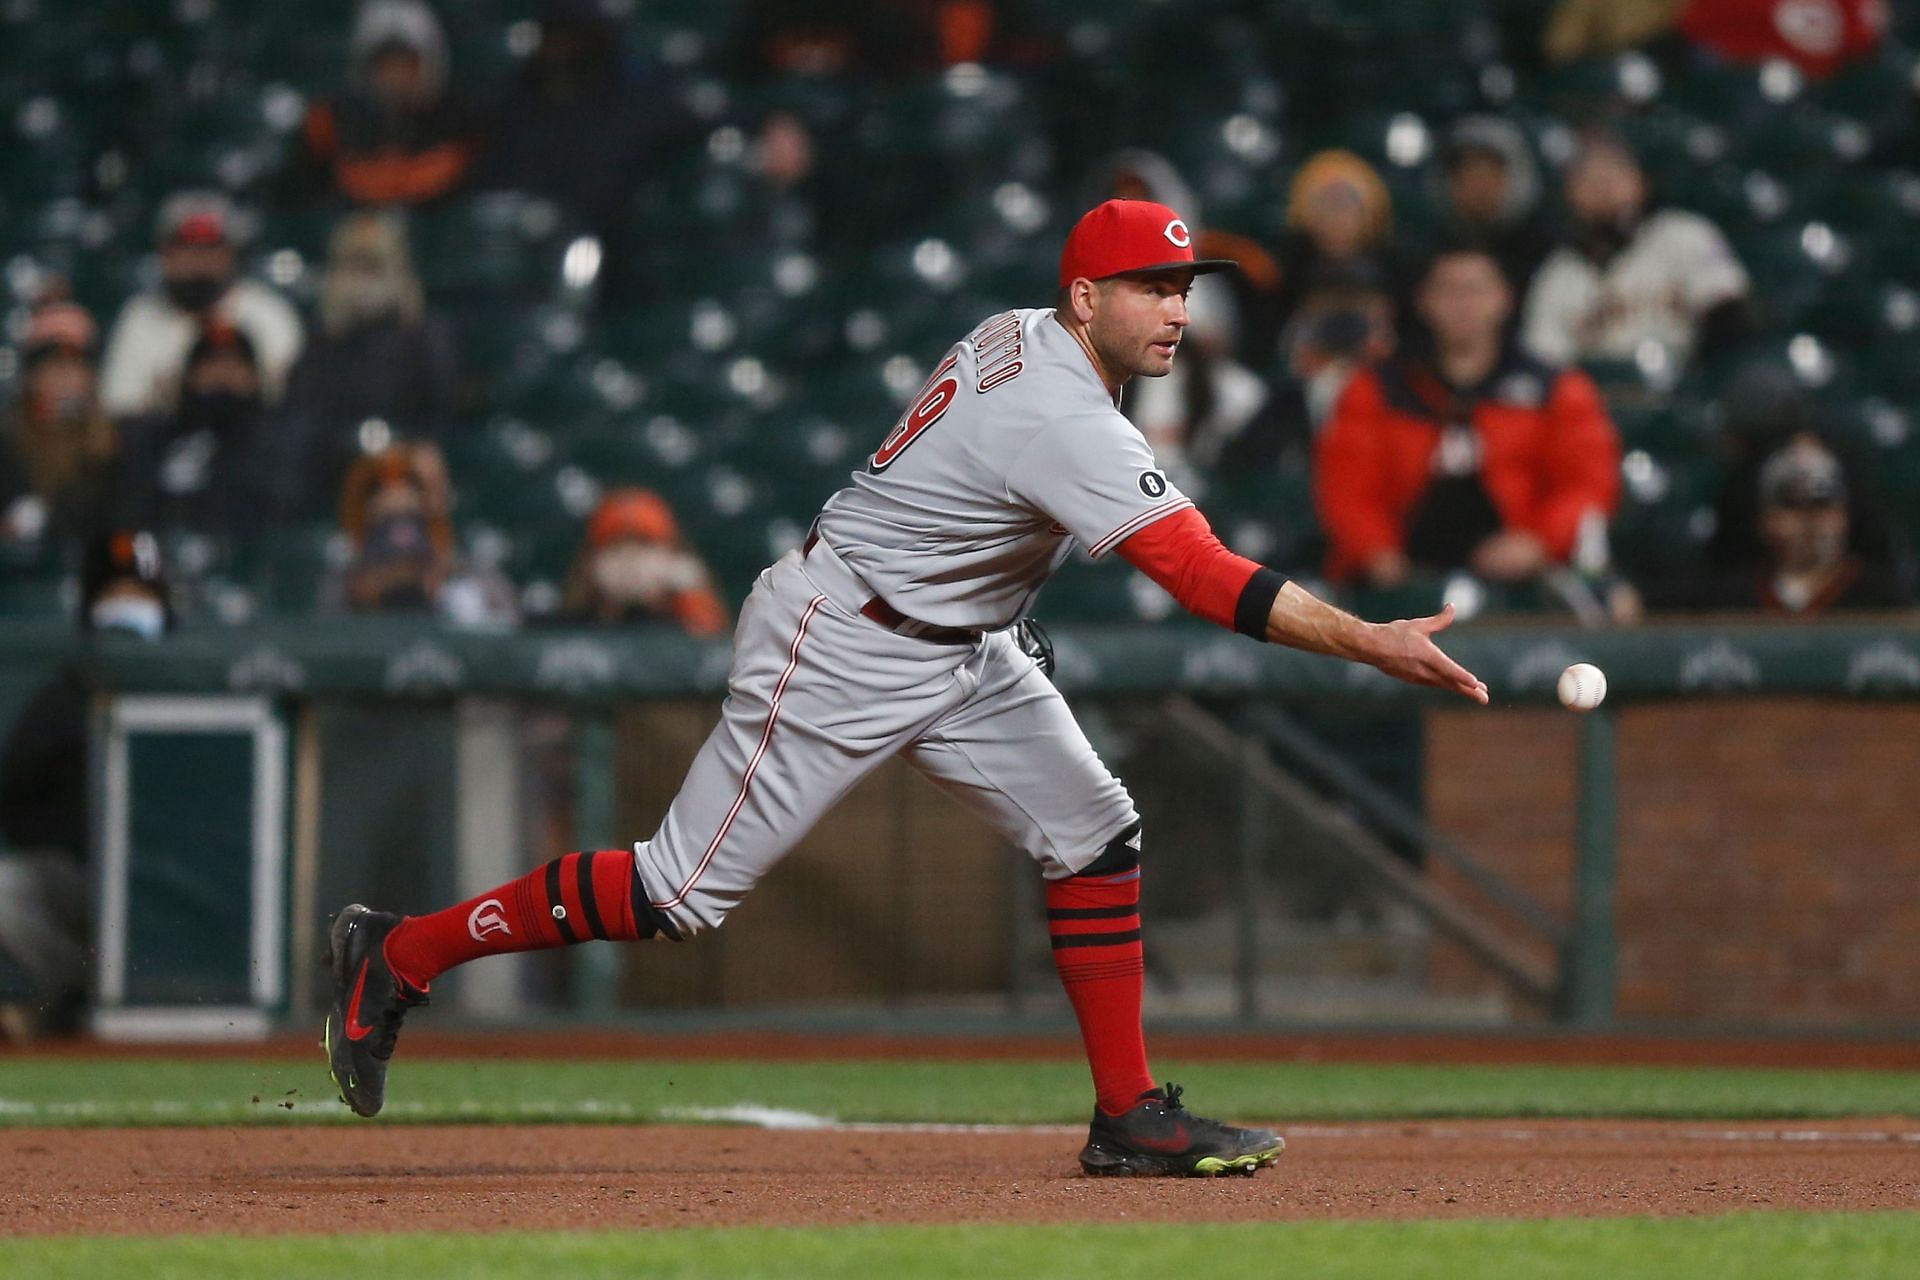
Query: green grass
[1751, 1246]
[133, 1091]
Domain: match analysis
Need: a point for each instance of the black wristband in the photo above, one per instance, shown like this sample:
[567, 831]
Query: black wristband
[1256, 602]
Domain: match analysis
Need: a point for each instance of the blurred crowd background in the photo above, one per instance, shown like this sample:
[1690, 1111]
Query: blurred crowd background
[574, 311]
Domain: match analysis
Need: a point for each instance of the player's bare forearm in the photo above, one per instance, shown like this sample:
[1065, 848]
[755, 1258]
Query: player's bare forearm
[1404, 650]
[1302, 620]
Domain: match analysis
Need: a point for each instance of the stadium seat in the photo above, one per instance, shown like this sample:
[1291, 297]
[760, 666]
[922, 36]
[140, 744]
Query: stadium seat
[748, 389]
[288, 567]
[1798, 268]
[492, 245]
[46, 594]
[1877, 92]
[1665, 516]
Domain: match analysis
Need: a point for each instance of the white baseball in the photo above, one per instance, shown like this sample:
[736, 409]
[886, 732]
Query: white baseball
[1582, 686]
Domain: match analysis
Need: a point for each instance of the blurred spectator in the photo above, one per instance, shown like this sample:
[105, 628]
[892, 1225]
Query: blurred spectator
[1818, 36]
[44, 885]
[1461, 451]
[58, 451]
[575, 127]
[1339, 227]
[1803, 525]
[380, 358]
[1239, 307]
[882, 39]
[198, 468]
[1632, 274]
[820, 69]
[200, 287]
[636, 568]
[1490, 193]
[396, 510]
[1764, 410]
[1343, 324]
[399, 135]
[1204, 409]
[1594, 28]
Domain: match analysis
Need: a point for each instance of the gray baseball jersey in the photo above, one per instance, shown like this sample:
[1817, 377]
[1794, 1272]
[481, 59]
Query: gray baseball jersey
[1012, 450]
[1013, 447]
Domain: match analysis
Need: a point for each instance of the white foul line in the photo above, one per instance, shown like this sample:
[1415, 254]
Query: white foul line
[781, 1118]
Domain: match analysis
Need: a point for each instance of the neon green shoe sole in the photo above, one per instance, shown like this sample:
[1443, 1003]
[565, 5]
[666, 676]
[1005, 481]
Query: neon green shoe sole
[1214, 1166]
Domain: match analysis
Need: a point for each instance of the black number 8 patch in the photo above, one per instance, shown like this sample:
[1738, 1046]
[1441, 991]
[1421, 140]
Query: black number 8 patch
[1153, 484]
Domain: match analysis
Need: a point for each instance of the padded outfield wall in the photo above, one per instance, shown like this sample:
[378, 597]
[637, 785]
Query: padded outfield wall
[1731, 842]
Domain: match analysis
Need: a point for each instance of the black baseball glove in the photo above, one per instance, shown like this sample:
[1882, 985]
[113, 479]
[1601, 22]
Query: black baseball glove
[1034, 642]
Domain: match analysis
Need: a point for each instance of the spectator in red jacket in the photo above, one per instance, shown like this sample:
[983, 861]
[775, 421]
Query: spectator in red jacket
[1461, 451]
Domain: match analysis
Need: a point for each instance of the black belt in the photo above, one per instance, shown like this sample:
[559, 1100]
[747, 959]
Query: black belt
[878, 610]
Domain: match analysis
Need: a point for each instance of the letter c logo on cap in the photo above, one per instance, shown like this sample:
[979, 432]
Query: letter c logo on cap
[1176, 234]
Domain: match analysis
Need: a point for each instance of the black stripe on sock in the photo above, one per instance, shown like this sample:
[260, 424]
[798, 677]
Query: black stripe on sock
[1064, 940]
[1091, 913]
[554, 900]
[595, 925]
[1104, 972]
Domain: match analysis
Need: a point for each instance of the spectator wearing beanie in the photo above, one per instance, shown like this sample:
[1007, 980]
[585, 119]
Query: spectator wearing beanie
[1489, 193]
[1806, 567]
[200, 288]
[399, 135]
[1339, 227]
[634, 568]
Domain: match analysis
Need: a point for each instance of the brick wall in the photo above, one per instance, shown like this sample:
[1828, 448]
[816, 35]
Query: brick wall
[1769, 851]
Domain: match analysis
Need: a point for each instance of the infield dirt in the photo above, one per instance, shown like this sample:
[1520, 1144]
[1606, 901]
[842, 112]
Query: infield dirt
[479, 1178]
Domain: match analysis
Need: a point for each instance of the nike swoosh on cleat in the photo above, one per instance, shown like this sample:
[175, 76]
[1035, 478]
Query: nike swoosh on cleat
[1180, 1142]
[357, 1030]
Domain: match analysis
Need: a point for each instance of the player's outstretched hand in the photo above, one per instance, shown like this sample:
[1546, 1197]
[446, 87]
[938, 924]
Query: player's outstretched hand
[1407, 652]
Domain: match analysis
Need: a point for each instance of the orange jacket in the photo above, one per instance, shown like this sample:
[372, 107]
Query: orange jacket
[1549, 454]
[373, 171]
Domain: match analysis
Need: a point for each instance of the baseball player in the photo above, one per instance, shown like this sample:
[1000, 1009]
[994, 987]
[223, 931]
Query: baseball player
[892, 632]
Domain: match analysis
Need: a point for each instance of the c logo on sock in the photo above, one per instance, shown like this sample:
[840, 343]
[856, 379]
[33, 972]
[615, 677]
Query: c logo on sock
[489, 917]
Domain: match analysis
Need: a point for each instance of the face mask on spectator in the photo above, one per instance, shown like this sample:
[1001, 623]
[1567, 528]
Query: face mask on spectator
[1601, 238]
[357, 298]
[1825, 541]
[222, 412]
[141, 615]
[65, 408]
[400, 548]
[195, 292]
[638, 573]
[398, 537]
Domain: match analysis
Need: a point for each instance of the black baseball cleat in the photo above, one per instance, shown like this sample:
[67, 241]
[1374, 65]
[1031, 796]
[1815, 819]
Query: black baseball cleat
[1161, 1138]
[369, 1004]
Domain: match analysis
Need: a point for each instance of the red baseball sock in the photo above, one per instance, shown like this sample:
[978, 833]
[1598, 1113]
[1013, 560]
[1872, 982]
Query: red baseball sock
[1095, 923]
[577, 898]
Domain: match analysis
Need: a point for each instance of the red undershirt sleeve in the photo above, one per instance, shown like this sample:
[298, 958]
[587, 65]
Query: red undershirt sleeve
[1182, 555]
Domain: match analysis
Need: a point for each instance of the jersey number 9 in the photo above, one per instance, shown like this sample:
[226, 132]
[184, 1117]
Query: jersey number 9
[932, 404]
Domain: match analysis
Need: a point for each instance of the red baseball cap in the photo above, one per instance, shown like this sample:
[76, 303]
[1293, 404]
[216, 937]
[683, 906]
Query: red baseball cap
[1123, 237]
